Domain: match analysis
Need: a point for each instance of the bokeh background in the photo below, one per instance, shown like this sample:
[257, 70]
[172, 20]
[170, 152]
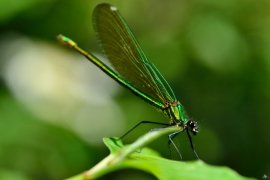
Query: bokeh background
[55, 106]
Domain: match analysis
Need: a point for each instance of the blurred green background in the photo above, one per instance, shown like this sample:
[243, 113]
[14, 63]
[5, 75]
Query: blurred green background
[55, 106]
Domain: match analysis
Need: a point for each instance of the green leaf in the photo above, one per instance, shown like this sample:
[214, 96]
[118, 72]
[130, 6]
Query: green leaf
[113, 144]
[132, 156]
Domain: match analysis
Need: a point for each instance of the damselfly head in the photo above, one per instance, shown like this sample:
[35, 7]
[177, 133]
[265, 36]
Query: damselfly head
[193, 127]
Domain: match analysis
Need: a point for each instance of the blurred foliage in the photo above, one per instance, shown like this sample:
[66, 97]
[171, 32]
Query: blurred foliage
[214, 54]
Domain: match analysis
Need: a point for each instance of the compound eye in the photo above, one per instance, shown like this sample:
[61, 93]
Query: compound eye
[191, 123]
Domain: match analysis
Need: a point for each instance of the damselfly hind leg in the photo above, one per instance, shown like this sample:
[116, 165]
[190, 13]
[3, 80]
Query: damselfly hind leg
[143, 122]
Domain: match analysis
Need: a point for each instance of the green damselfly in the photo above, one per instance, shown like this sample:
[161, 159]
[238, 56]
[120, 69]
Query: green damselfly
[133, 70]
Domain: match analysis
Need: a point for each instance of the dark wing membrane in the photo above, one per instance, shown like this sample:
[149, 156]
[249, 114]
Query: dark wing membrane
[126, 56]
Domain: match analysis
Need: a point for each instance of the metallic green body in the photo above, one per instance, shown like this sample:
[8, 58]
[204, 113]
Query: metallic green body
[132, 69]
